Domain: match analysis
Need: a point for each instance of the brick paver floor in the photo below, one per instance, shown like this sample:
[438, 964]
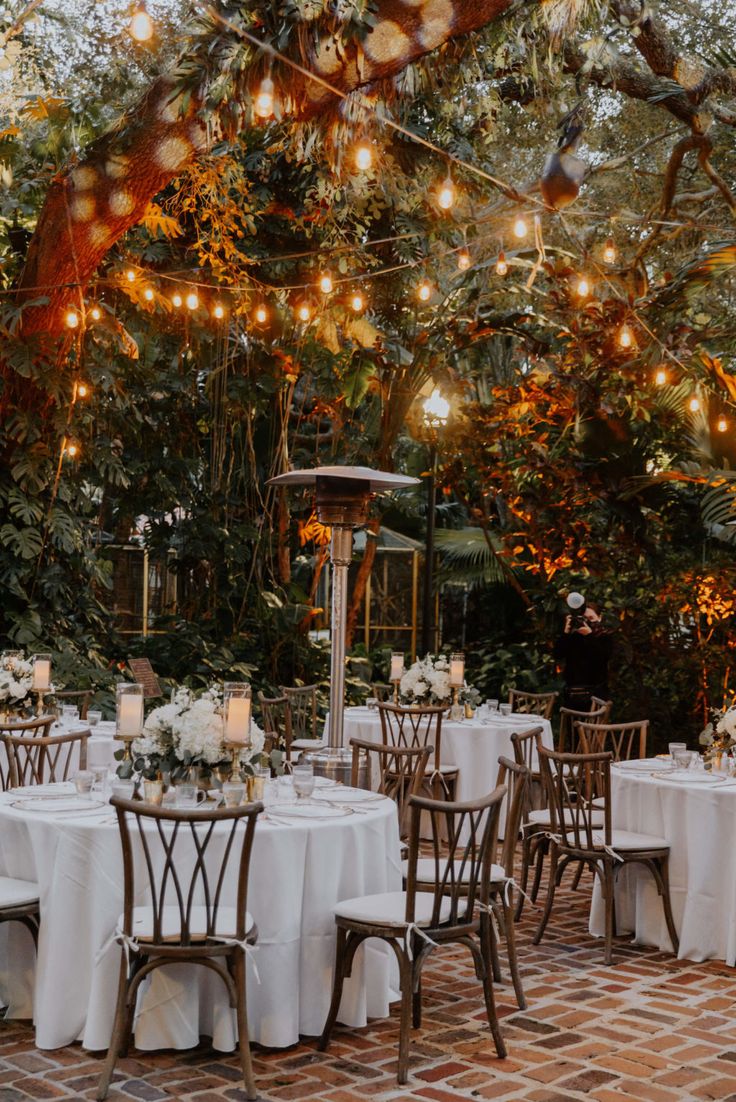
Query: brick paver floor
[648, 1029]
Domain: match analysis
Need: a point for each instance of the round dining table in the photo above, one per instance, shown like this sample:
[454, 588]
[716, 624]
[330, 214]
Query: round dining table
[301, 867]
[696, 812]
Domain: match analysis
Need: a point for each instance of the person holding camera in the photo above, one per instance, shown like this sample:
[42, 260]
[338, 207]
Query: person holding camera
[585, 648]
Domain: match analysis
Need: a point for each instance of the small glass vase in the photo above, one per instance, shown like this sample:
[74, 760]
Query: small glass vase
[153, 792]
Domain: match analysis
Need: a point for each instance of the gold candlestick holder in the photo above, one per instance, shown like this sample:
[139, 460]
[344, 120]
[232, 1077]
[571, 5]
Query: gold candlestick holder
[127, 741]
[235, 749]
[457, 712]
[397, 685]
[40, 694]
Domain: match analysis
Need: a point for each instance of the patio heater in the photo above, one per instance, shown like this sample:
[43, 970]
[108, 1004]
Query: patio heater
[343, 495]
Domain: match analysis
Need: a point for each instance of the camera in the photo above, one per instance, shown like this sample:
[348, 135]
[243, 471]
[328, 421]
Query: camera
[577, 605]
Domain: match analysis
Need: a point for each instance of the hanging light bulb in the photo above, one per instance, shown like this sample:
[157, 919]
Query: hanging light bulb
[72, 319]
[625, 337]
[694, 404]
[582, 288]
[356, 302]
[520, 228]
[501, 264]
[148, 294]
[176, 300]
[130, 275]
[263, 105]
[363, 157]
[81, 390]
[424, 291]
[325, 283]
[192, 300]
[303, 312]
[463, 260]
[218, 311]
[72, 450]
[261, 314]
[660, 377]
[95, 313]
[722, 425]
[141, 25]
[609, 251]
[446, 195]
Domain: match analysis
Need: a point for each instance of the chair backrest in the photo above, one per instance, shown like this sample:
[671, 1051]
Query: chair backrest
[276, 719]
[43, 759]
[37, 726]
[572, 782]
[517, 780]
[302, 706]
[623, 740]
[525, 747]
[81, 697]
[394, 771]
[540, 704]
[175, 860]
[462, 864]
[597, 702]
[413, 727]
[566, 743]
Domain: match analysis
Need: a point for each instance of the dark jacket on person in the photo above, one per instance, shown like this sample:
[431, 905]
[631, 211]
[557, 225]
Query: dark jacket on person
[586, 658]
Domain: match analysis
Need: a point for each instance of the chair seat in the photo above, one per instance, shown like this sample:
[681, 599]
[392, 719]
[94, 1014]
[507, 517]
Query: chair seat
[307, 743]
[598, 802]
[627, 840]
[543, 818]
[389, 909]
[446, 770]
[426, 871]
[17, 893]
[171, 923]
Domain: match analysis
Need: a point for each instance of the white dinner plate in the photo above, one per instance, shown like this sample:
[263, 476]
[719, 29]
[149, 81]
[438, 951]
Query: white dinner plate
[324, 782]
[641, 765]
[55, 804]
[686, 776]
[350, 795]
[307, 811]
[54, 788]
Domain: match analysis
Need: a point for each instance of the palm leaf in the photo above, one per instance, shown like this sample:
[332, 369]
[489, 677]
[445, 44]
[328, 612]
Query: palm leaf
[698, 273]
[468, 557]
[718, 507]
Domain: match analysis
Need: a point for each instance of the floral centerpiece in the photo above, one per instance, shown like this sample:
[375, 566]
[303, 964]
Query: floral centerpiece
[427, 681]
[16, 683]
[720, 734]
[187, 733]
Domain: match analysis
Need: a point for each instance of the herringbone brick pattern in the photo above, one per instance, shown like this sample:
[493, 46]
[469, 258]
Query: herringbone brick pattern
[648, 1029]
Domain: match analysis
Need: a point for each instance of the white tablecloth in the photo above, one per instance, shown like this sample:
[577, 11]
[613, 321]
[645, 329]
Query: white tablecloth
[699, 822]
[101, 746]
[472, 746]
[298, 874]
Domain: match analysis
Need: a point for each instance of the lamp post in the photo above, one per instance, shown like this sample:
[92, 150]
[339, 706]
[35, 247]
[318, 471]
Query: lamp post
[435, 411]
[343, 495]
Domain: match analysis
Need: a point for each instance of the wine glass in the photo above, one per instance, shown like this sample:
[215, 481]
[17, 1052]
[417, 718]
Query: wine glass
[302, 777]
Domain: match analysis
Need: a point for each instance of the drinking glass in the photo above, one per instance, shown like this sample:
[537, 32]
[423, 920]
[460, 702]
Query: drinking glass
[673, 747]
[371, 703]
[492, 706]
[99, 782]
[505, 709]
[83, 781]
[682, 759]
[303, 779]
[233, 793]
[187, 796]
[123, 789]
[69, 714]
[93, 718]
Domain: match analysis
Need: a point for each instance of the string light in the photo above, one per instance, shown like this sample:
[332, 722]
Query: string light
[463, 260]
[95, 313]
[141, 25]
[81, 390]
[625, 337]
[363, 157]
[176, 300]
[72, 450]
[722, 425]
[261, 314]
[148, 294]
[218, 311]
[583, 287]
[520, 228]
[609, 251]
[72, 319]
[303, 312]
[192, 300]
[263, 106]
[501, 265]
[356, 302]
[661, 376]
[694, 404]
[325, 283]
[130, 275]
[446, 196]
[424, 291]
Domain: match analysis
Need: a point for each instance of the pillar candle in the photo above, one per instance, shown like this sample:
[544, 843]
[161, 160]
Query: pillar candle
[130, 714]
[457, 670]
[42, 674]
[397, 666]
[237, 719]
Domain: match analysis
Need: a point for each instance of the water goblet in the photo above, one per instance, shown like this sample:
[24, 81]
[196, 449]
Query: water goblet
[99, 783]
[233, 793]
[303, 780]
[69, 714]
[492, 706]
[505, 709]
[681, 759]
[673, 747]
[123, 789]
[93, 718]
[83, 781]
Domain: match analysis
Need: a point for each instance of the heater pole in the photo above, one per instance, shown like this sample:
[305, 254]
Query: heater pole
[341, 554]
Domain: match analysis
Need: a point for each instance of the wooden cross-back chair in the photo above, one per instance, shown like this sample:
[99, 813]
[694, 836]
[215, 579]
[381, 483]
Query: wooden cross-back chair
[421, 726]
[302, 704]
[27, 727]
[81, 697]
[184, 862]
[276, 720]
[44, 759]
[623, 741]
[539, 704]
[566, 743]
[455, 909]
[394, 771]
[573, 782]
[534, 817]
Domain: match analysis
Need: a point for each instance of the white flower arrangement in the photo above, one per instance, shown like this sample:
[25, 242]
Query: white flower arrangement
[427, 681]
[189, 731]
[16, 681]
[726, 725]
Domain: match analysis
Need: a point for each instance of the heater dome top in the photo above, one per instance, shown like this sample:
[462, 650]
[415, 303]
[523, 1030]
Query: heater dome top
[378, 481]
